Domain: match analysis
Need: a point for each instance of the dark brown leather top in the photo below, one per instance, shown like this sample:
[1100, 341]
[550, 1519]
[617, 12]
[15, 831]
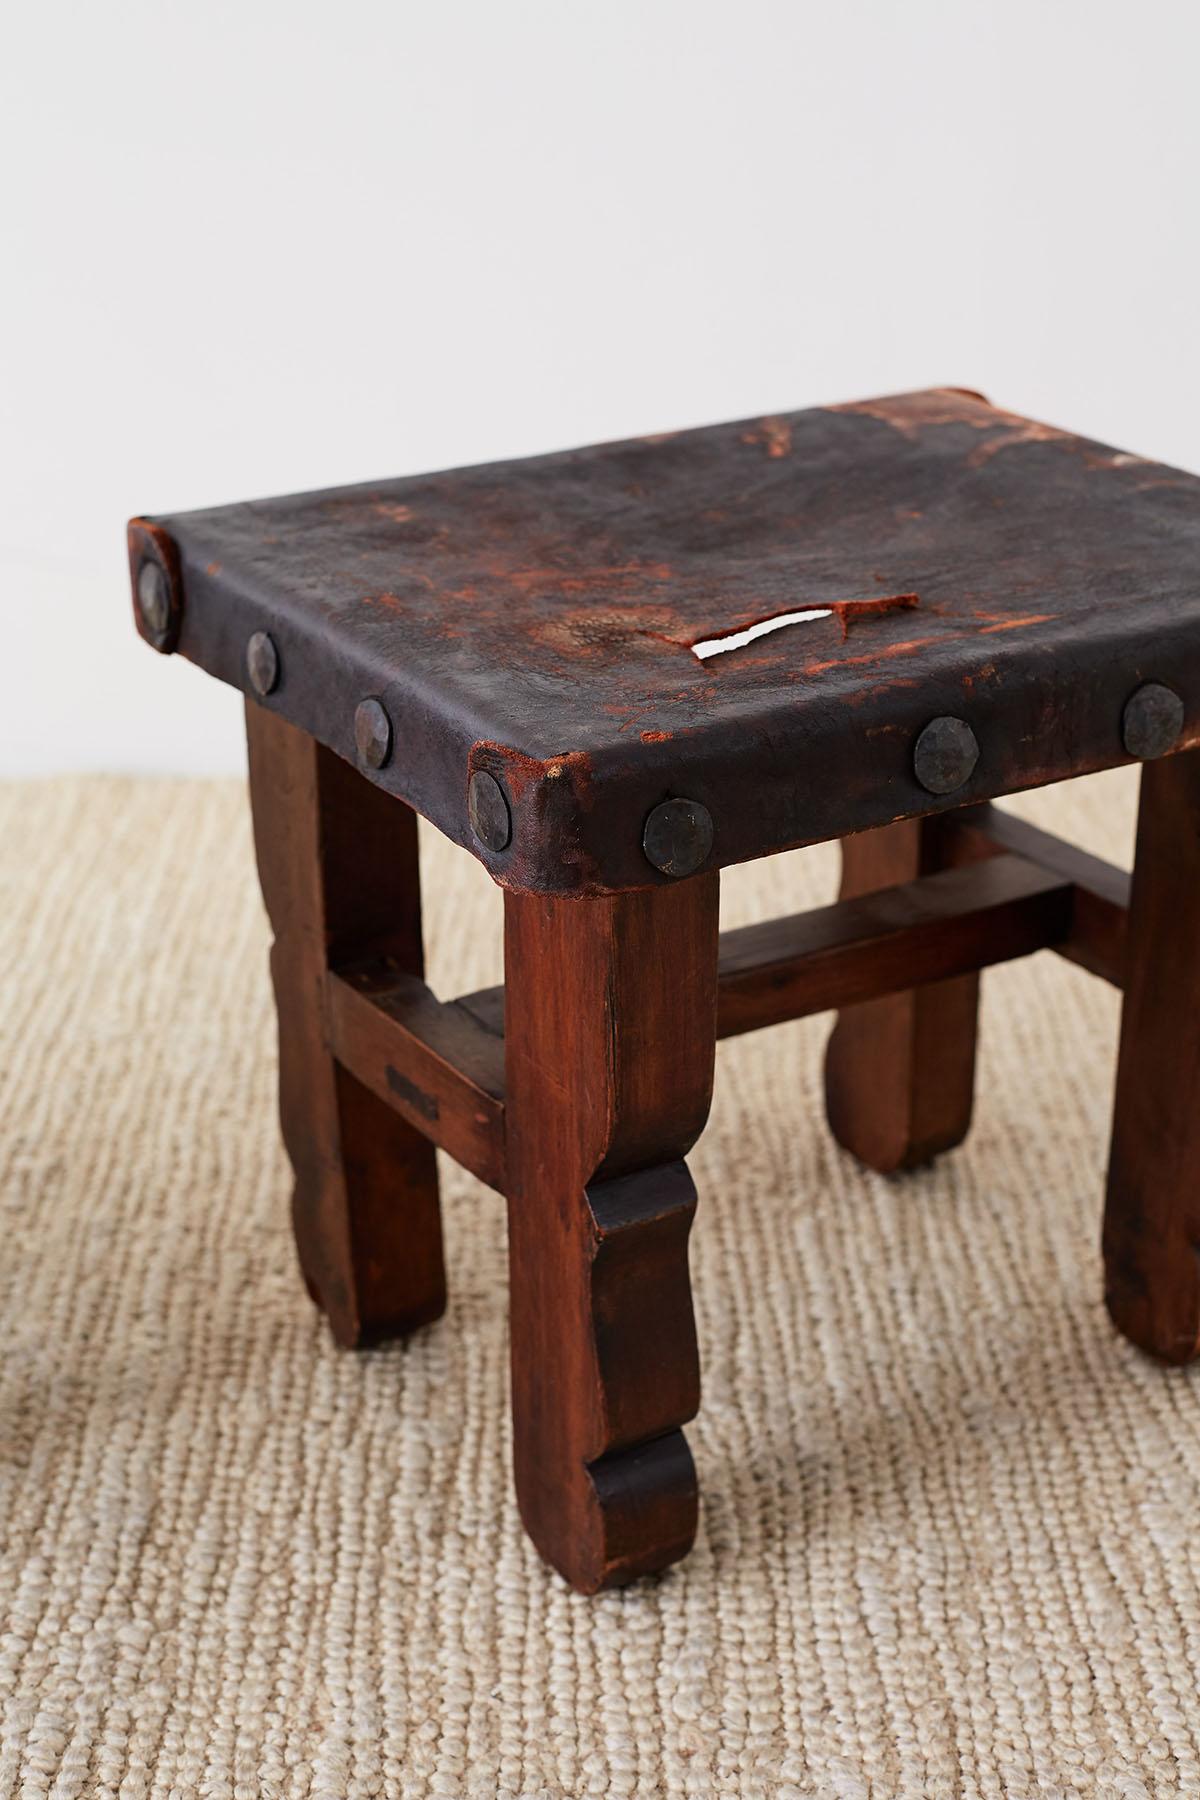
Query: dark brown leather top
[537, 619]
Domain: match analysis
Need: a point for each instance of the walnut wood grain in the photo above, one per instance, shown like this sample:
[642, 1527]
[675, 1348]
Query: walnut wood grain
[900, 1071]
[431, 1060]
[1100, 901]
[609, 1050]
[941, 925]
[1152, 1216]
[337, 860]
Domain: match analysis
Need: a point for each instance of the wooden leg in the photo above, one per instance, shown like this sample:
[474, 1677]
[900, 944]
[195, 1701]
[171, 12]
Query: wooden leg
[900, 1072]
[337, 859]
[610, 1029]
[1152, 1218]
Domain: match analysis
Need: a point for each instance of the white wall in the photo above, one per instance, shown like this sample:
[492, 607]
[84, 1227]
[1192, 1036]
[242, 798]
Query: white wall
[248, 248]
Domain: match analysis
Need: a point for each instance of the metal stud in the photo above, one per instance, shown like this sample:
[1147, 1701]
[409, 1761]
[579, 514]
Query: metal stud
[945, 754]
[487, 807]
[154, 598]
[372, 733]
[1152, 721]
[262, 662]
[678, 837]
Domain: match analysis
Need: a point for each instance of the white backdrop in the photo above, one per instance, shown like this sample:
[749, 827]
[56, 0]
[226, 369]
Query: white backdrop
[249, 248]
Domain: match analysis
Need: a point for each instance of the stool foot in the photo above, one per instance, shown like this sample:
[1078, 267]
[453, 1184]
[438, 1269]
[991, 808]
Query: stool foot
[611, 1027]
[900, 1072]
[1152, 1216]
[337, 860]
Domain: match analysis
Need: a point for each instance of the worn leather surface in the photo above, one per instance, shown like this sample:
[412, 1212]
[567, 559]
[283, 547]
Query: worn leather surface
[536, 618]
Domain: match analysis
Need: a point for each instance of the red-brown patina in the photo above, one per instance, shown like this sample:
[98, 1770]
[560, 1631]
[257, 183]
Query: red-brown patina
[536, 618]
[565, 640]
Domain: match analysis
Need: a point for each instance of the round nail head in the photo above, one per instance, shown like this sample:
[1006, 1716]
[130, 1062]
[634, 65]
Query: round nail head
[1152, 721]
[372, 733]
[678, 837]
[945, 755]
[262, 662]
[154, 600]
[487, 807]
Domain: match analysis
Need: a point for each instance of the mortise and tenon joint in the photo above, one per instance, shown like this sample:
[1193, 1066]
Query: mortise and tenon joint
[608, 675]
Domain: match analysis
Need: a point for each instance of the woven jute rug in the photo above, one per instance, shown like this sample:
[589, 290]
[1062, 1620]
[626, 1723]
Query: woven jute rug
[949, 1534]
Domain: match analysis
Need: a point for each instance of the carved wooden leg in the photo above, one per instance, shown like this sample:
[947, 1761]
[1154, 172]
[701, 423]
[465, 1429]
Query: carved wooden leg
[337, 859]
[900, 1072]
[1152, 1220]
[610, 1028]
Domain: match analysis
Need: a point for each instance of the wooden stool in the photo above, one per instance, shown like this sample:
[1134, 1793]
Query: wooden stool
[608, 674]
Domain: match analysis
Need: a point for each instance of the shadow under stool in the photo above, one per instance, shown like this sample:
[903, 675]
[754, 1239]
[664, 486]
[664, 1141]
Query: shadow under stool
[609, 673]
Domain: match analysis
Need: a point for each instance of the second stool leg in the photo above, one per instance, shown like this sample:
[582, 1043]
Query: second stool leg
[610, 1032]
[900, 1072]
[337, 859]
[1152, 1219]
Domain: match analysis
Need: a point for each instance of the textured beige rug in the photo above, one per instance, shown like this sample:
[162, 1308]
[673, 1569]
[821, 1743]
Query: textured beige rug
[948, 1542]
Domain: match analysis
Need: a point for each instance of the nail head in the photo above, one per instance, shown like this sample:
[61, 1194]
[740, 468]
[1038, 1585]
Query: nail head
[678, 837]
[262, 662]
[487, 807]
[945, 754]
[1152, 721]
[372, 733]
[154, 598]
